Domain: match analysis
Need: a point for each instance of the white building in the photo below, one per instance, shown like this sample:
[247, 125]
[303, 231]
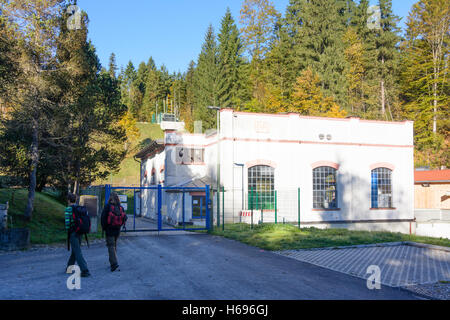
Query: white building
[351, 173]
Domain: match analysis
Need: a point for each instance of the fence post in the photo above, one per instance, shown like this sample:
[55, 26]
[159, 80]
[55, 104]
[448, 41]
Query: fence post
[107, 193]
[208, 213]
[223, 208]
[134, 210]
[218, 206]
[184, 224]
[262, 213]
[159, 207]
[276, 222]
[299, 208]
[251, 198]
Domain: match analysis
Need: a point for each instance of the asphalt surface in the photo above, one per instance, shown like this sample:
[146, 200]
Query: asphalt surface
[180, 266]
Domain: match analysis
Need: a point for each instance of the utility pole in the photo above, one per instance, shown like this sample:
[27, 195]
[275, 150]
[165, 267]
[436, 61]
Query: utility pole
[218, 162]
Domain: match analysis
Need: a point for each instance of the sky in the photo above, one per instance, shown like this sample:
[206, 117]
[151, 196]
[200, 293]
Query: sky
[171, 31]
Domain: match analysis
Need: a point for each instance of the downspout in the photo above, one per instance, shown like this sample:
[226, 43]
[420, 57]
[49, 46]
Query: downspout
[140, 185]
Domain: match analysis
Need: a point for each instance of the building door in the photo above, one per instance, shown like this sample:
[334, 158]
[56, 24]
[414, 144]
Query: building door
[198, 207]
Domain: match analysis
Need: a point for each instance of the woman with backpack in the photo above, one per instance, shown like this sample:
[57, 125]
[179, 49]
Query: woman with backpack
[112, 219]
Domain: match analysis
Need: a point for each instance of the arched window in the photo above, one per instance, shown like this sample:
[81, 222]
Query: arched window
[381, 188]
[261, 191]
[324, 188]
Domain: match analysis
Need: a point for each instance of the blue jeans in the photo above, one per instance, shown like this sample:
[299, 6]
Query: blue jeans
[76, 255]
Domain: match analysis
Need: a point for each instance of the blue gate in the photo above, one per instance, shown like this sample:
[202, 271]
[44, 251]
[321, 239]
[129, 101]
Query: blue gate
[159, 208]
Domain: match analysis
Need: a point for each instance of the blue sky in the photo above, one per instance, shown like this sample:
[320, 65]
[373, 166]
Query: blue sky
[171, 31]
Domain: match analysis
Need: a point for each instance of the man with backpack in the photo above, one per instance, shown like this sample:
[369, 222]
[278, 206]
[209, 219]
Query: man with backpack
[77, 223]
[112, 219]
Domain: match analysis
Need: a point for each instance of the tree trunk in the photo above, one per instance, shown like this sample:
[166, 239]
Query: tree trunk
[383, 98]
[435, 102]
[33, 171]
[76, 189]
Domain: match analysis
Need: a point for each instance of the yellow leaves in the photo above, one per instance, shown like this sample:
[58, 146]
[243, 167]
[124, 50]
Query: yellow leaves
[308, 98]
[129, 124]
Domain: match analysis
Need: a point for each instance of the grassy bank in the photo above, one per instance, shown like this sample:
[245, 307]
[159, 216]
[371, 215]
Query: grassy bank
[288, 237]
[47, 224]
[128, 173]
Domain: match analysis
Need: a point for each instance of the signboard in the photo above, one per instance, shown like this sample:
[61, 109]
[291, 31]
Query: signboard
[137, 202]
[124, 201]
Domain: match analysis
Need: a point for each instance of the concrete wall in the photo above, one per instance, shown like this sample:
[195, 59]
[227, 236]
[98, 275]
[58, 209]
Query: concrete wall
[14, 239]
[433, 223]
[153, 170]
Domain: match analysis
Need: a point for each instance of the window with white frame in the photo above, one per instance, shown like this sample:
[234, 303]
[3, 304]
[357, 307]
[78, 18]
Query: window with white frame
[324, 188]
[261, 191]
[381, 188]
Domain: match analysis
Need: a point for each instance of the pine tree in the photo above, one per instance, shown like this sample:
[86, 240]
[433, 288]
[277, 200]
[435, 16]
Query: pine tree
[189, 98]
[387, 40]
[229, 60]
[364, 47]
[112, 65]
[129, 74]
[206, 78]
[317, 29]
[280, 73]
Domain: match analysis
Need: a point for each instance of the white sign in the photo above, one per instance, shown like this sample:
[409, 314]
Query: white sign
[123, 198]
[124, 206]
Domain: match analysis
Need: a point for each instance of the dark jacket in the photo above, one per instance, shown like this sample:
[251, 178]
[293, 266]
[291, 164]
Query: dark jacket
[110, 231]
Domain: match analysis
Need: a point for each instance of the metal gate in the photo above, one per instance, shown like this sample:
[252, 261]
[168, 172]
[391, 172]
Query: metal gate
[159, 208]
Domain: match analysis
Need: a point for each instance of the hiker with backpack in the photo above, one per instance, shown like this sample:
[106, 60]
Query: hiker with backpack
[77, 224]
[112, 219]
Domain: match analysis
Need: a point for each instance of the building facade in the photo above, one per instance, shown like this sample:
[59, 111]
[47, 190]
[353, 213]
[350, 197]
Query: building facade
[330, 172]
[432, 203]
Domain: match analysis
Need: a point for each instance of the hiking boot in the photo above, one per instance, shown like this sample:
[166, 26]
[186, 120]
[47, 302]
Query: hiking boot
[85, 274]
[114, 268]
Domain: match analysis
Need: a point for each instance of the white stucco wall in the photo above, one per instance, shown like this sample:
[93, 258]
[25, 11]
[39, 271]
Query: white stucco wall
[291, 144]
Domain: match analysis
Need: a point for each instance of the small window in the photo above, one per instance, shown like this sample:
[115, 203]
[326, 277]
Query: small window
[190, 155]
[324, 188]
[198, 155]
[381, 188]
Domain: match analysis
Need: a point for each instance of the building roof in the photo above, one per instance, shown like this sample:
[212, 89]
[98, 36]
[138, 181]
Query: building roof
[432, 176]
[194, 184]
[152, 146]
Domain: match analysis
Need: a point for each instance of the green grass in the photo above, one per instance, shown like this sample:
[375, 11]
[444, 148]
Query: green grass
[128, 173]
[47, 224]
[150, 131]
[289, 237]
